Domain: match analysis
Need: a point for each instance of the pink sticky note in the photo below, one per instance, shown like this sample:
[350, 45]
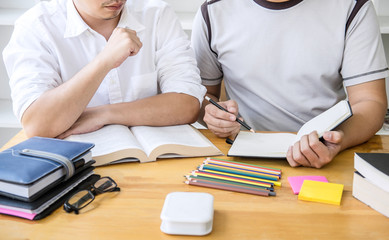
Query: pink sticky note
[297, 181]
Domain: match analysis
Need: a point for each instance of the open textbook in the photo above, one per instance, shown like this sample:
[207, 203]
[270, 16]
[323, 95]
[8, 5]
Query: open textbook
[118, 143]
[275, 145]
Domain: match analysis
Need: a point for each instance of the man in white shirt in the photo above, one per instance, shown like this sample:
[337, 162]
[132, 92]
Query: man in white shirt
[284, 62]
[77, 65]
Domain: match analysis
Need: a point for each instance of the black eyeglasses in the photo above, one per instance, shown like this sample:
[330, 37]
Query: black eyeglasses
[83, 198]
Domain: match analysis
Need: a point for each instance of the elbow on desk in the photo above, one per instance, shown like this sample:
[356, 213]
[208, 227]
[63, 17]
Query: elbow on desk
[34, 132]
[190, 116]
[194, 112]
[35, 129]
[187, 111]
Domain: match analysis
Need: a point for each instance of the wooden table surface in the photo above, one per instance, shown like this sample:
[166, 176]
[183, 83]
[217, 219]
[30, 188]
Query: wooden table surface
[134, 213]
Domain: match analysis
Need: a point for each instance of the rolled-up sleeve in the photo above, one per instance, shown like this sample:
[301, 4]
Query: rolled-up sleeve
[175, 60]
[30, 67]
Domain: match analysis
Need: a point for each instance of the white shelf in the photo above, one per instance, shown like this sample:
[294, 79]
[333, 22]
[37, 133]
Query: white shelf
[8, 16]
[7, 117]
[185, 5]
[384, 24]
[186, 11]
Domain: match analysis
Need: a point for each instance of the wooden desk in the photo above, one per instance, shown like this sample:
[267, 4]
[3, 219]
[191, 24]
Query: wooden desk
[134, 213]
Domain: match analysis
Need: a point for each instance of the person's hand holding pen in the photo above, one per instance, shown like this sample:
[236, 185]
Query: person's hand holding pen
[221, 118]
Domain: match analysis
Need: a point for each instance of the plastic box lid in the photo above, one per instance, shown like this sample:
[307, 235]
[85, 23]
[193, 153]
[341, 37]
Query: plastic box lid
[187, 213]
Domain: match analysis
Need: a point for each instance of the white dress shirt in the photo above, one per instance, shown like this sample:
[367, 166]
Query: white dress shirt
[51, 43]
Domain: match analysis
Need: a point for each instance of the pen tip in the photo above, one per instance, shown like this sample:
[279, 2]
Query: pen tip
[252, 130]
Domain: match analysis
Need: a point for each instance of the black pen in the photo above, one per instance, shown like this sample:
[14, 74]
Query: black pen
[222, 108]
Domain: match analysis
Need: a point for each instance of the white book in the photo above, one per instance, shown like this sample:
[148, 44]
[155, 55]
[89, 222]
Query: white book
[275, 145]
[118, 143]
[374, 167]
[370, 194]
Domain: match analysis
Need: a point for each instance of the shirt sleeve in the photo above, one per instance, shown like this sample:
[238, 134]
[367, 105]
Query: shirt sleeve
[364, 56]
[30, 67]
[207, 61]
[175, 61]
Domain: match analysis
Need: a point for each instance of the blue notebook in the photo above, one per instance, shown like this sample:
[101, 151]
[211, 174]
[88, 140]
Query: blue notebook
[32, 167]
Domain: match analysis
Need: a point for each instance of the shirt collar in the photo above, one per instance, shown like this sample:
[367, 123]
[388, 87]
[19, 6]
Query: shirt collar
[278, 5]
[128, 20]
[75, 25]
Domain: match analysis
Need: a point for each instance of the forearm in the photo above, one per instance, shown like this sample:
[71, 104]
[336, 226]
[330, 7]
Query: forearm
[160, 110]
[367, 119]
[57, 109]
[369, 104]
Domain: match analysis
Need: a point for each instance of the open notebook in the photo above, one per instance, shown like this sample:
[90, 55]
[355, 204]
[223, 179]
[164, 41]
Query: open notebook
[275, 145]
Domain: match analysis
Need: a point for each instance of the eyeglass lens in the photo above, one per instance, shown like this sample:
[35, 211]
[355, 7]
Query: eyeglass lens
[104, 185]
[81, 199]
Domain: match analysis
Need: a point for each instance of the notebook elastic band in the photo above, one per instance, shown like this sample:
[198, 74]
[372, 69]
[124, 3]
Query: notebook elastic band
[65, 162]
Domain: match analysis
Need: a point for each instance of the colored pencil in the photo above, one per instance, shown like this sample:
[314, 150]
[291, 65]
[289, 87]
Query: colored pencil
[241, 177]
[219, 176]
[229, 185]
[240, 172]
[229, 188]
[243, 165]
[239, 168]
[228, 182]
[236, 184]
[235, 176]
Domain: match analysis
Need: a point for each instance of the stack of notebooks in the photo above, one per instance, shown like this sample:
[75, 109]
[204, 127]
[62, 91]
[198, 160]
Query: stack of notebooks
[235, 176]
[371, 180]
[37, 175]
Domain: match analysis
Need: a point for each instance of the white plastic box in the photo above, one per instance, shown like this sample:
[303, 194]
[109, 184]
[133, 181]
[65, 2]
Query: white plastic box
[187, 213]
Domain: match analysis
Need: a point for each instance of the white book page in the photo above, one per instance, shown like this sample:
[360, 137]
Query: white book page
[110, 138]
[326, 121]
[152, 137]
[261, 144]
